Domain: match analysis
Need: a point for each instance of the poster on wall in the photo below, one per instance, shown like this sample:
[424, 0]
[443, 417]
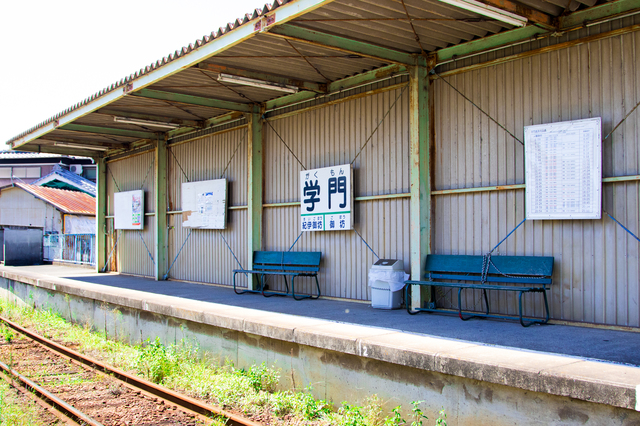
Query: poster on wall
[563, 170]
[326, 198]
[129, 209]
[204, 204]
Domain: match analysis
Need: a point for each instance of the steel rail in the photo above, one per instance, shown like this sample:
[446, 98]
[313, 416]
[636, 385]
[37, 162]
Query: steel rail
[183, 401]
[68, 411]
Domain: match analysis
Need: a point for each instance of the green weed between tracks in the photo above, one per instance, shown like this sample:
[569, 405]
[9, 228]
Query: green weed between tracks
[13, 412]
[182, 367]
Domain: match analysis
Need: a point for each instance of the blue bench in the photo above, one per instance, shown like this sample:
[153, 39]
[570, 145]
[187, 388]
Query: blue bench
[283, 263]
[532, 273]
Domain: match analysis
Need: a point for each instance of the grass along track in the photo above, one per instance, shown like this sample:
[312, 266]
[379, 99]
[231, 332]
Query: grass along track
[108, 393]
[253, 393]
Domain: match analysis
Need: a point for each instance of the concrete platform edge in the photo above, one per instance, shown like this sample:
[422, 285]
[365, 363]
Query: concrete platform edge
[599, 382]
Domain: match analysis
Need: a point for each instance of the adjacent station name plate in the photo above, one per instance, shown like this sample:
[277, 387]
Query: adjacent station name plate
[563, 170]
[327, 197]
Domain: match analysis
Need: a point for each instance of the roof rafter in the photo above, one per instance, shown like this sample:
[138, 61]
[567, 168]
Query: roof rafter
[341, 44]
[303, 85]
[195, 100]
[535, 16]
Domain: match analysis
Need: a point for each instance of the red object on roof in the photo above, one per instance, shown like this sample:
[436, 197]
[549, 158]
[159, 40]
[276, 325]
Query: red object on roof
[69, 202]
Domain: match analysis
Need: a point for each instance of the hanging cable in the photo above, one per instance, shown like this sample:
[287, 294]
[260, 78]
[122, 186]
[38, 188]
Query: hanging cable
[147, 175]
[621, 121]
[229, 247]
[145, 246]
[296, 241]
[623, 227]
[178, 163]
[232, 155]
[177, 255]
[113, 178]
[481, 110]
[379, 124]
[365, 243]
[283, 142]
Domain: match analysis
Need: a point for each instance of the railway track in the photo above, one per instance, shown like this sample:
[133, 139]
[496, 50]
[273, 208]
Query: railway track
[163, 406]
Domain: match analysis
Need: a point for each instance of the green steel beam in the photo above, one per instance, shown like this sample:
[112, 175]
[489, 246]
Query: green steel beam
[338, 85]
[108, 131]
[101, 210]
[271, 78]
[367, 77]
[342, 44]
[160, 249]
[610, 9]
[254, 188]
[212, 122]
[194, 100]
[286, 100]
[496, 40]
[420, 161]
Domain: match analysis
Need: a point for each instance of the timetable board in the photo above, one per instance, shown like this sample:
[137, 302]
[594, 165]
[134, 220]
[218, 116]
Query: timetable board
[204, 204]
[128, 209]
[563, 170]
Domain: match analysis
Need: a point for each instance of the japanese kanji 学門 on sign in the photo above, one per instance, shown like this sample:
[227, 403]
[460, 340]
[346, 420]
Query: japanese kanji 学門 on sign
[327, 196]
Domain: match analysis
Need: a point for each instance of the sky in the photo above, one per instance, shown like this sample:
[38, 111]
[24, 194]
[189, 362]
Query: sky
[54, 54]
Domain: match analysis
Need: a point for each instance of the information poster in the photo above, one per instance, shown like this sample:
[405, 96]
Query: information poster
[563, 170]
[129, 209]
[204, 204]
[327, 198]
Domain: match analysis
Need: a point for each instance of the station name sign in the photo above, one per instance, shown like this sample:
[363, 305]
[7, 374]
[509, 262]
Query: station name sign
[326, 199]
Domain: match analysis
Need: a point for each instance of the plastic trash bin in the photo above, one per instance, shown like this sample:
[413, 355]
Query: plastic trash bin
[386, 279]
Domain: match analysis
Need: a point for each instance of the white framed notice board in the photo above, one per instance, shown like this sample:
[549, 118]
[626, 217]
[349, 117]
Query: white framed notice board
[204, 204]
[563, 170]
[128, 207]
[326, 198]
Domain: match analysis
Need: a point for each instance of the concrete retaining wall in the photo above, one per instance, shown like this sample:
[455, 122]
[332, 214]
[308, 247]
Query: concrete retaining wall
[476, 385]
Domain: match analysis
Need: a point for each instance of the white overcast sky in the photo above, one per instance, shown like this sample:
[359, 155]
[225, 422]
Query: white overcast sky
[54, 54]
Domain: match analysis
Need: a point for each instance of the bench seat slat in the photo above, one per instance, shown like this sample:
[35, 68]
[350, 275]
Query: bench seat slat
[520, 280]
[476, 286]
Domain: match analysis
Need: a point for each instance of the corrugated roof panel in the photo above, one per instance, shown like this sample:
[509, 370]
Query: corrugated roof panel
[70, 202]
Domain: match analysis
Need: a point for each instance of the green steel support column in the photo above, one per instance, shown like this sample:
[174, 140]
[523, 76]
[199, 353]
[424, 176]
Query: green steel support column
[254, 188]
[160, 249]
[419, 140]
[101, 211]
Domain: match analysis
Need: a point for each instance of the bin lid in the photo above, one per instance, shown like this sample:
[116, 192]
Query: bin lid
[389, 264]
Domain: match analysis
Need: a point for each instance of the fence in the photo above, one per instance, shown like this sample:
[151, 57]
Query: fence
[71, 248]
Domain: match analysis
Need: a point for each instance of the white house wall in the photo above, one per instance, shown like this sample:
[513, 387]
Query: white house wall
[20, 208]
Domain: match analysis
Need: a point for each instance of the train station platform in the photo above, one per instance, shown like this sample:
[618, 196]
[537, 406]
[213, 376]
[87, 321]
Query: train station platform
[595, 372]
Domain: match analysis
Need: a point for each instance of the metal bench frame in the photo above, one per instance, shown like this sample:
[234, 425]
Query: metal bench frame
[285, 264]
[535, 271]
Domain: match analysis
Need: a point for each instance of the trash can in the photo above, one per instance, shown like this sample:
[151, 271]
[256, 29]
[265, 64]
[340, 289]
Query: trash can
[386, 279]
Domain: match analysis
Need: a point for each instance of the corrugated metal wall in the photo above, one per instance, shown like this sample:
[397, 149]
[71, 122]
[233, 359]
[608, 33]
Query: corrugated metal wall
[206, 257]
[331, 136]
[596, 276]
[137, 172]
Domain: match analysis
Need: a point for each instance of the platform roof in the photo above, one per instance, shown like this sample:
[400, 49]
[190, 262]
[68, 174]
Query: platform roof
[69, 202]
[313, 47]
